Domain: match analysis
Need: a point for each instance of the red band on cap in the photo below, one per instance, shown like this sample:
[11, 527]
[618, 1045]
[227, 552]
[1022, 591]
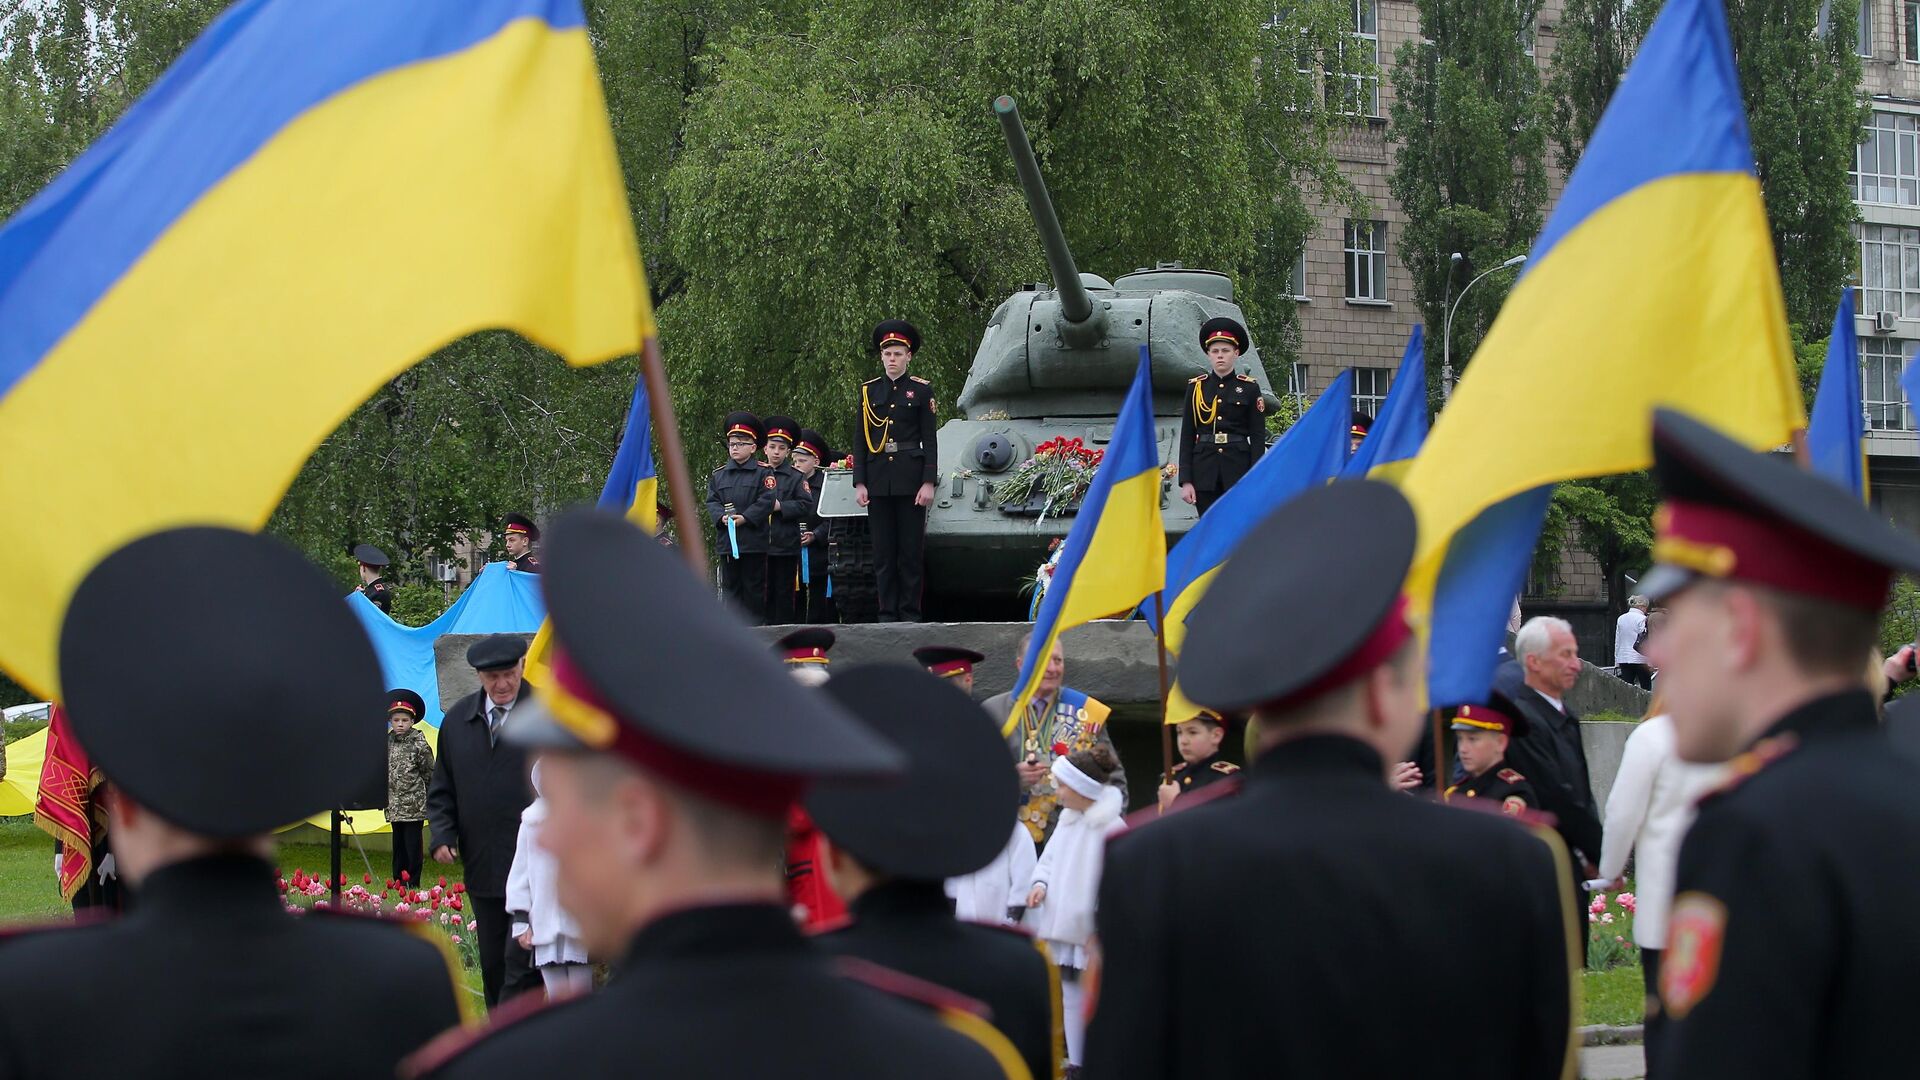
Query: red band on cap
[1486, 719]
[780, 433]
[895, 339]
[806, 656]
[1222, 335]
[741, 429]
[1719, 542]
[516, 528]
[401, 706]
[951, 667]
[1357, 430]
[753, 791]
[810, 448]
[1386, 639]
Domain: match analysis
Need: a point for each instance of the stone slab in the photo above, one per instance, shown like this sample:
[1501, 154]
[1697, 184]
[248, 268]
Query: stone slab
[1612, 1062]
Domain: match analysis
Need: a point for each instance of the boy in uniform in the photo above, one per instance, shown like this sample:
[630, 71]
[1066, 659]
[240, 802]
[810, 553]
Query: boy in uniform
[742, 493]
[1480, 742]
[522, 534]
[1223, 427]
[810, 455]
[373, 565]
[1198, 738]
[793, 501]
[409, 771]
[895, 463]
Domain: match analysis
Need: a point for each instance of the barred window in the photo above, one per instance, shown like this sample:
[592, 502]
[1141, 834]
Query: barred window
[1370, 386]
[1366, 253]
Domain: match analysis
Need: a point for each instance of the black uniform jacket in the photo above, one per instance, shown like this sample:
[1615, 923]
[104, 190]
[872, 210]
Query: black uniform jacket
[1215, 454]
[209, 976]
[731, 991]
[1554, 760]
[796, 497]
[1795, 955]
[478, 792]
[1501, 785]
[526, 564]
[909, 926]
[914, 458]
[1325, 883]
[380, 593]
[1198, 775]
[750, 486]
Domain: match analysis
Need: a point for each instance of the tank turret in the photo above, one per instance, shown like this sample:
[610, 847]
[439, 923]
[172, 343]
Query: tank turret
[1076, 319]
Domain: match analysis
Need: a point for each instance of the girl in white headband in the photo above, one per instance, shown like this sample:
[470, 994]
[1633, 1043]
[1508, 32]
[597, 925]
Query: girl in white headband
[1067, 879]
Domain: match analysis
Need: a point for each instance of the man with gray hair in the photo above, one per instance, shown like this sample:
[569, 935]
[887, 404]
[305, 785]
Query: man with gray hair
[1629, 633]
[1551, 754]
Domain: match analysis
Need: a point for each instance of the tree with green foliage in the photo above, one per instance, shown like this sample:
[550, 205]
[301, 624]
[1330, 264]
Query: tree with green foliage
[1597, 41]
[1609, 518]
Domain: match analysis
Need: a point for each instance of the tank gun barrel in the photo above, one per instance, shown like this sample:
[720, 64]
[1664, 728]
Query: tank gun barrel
[1076, 307]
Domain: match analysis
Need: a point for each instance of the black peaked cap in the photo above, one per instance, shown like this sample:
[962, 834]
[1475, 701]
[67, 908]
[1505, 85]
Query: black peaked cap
[496, 651]
[896, 328]
[953, 808]
[1329, 567]
[526, 525]
[257, 718]
[402, 697]
[370, 555]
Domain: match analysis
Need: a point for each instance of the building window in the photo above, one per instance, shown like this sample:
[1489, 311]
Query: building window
[1297, 275]
[1366, 260]
[1886, 164]
[1910, 16]
[1359, 94]
[1370, 385]
[1297, 386]
[1890, 270]
[1866, 27]
[1881, 362]
[1527, 39]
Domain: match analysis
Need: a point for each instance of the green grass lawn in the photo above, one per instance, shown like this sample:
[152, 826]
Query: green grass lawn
[1614, 996]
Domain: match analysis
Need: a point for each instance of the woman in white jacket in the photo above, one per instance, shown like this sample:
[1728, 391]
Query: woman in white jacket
[988, 894]
[1066, 880]
[1648, 812]
[539, 922]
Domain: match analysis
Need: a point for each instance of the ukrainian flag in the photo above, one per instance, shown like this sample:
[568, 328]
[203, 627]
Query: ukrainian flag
[1116, 553]
[1654, 283]
[315, 196]
[1401, 427]
[1837, 429]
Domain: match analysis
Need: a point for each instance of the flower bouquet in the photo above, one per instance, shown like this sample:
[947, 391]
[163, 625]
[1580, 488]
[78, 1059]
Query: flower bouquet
[1610, 931]
[1056, 477]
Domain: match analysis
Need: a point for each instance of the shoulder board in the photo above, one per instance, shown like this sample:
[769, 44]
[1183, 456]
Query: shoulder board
[918, 991]
[875, 379]
[1510, 776]
[453, 1042]
[1227, 767]
[1248, 378]
[919, 380]
[1538, 818]
[1198, 377]
[1179, 767]
[1748, 765]
[719, 470]
[1188, 800]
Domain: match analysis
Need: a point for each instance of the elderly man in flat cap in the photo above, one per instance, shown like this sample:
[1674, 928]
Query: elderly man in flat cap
[479, 789]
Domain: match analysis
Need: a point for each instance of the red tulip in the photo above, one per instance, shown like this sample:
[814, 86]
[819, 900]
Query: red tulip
[459, 886]
[443, 881]
[366, 878]
[406, 875]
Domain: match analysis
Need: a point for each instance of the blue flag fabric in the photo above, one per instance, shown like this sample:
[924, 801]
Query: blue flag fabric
[1401, 427]
[499, 601]
[1837, 424]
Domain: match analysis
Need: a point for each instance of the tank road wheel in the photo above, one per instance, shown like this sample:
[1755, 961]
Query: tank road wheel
[850, 561]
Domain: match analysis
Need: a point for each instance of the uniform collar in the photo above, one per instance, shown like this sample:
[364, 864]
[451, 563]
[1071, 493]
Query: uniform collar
[1823, 717]
[1321, 755]
[901, 897]
[216, 883]
[715, 930]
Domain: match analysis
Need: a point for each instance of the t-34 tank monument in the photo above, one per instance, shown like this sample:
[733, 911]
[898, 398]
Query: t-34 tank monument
[1053, 364]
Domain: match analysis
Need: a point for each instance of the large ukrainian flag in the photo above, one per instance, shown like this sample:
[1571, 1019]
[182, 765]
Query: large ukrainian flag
[314, 197]
[1401, 427]
[1654, 283]
[1116, 553]
[1837, 427]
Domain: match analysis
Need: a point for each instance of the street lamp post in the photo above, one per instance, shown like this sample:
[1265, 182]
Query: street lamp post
[1446, 332]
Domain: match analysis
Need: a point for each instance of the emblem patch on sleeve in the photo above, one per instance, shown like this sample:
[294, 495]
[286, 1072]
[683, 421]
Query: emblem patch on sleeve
[769, 481]
[1695, 932]
[1513, 804]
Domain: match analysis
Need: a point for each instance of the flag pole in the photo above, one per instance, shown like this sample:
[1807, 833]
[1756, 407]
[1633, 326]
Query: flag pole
[1439, 758]
[693, 540]
[1160, 647]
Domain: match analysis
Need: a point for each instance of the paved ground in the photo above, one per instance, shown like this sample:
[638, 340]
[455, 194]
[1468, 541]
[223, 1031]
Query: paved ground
[1611, 1063]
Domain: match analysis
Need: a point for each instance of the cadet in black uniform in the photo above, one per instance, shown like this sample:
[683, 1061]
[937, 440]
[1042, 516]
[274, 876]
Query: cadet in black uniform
[1791, 943]
[1357, 433]
[522, 534]
[951, 663]
[212, 740]
[889, 850]
[1199, 739]
[670, 751]
[743, 491]
[793, 499]
[373, 585]
[1223, 428]
[810, 455]
[1480, 740]
[895, 463]
[1343, 881]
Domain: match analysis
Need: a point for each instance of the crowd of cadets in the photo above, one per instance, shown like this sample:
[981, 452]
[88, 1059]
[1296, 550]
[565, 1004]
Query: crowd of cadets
[772, 547]
[519, 533]
[1283, 921]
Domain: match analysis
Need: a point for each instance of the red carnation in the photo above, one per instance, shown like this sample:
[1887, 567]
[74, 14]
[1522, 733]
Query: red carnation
[1060, 749]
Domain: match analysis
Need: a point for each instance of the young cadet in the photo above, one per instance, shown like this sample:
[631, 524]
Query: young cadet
[521, 535]
[951, 663]
[212, 740]
[670, 750]
[409, 774]
[889, 849]
[1480, 734]
[895, 463]
[810, 455]
[1791, 943]
[742, 492]
[1299, 990]
[810, 892]
[373, 564]
[1223, 423]
[1357, 432]
[793, 500]
[1201, 764]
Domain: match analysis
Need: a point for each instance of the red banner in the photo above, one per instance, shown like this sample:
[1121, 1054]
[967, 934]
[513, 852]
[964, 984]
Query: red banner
[64, 806]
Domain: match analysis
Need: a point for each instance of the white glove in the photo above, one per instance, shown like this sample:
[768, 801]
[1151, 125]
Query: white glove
[519, 928]
[58, 858]
[106, 868]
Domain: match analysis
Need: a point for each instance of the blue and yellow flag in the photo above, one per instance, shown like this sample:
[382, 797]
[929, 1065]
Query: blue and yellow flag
[310, 200]
[1308, 454]
[631, 487]
[1609, 321]
[1837, 426]
[1116, 553]
[1401, 427]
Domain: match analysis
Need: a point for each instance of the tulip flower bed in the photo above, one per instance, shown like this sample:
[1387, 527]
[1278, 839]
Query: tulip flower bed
[437, 903]
[1610, 932]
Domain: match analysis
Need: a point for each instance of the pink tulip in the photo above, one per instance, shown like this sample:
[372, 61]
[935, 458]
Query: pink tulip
[456, 939]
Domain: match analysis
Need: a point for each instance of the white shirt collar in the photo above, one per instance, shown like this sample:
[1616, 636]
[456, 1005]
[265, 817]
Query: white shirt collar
[1554, 701]
[488, 705]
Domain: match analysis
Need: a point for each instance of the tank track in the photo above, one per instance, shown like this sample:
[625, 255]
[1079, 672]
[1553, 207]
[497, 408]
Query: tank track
[850, 561]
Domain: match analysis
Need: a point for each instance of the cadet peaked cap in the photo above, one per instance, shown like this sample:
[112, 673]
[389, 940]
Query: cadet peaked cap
[743, 423]
[950, 811]
[369, 555]
[1326, 595]
[496, 651]
[947, 661]
[805, 646]
[694, 699]
[1497, 713]
[227, 731]
[1362, 423]
[896, 332]
[1221, 328]
[521, 523]
[813, 443]
[784, 428]
[1737, 515]
[404, 700]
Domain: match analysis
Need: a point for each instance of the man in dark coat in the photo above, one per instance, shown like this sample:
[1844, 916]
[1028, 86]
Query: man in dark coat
[1549, 752]
[670, 750]
[889, 850]
[208, 974]
[1340, 880]
[479, 789]
[896, 460]
[1791, 942]
[373, 582]
[1223, 423]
